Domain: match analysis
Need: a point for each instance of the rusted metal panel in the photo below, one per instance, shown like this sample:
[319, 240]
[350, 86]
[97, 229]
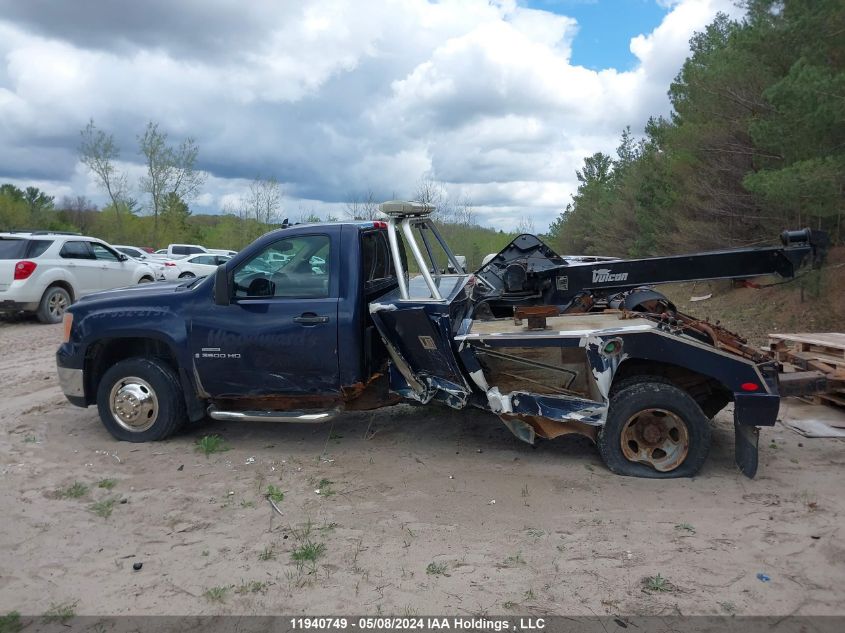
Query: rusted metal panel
[550, 429]
[535, 315]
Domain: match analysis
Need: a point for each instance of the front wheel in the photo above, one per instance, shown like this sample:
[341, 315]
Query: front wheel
[654, 429]
[146, 280]
[140, 400]
[187, 275]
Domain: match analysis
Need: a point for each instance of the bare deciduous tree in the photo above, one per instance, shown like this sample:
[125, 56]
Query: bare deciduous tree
[170, 172]
[264, 200]
[430, 192]
[79, 210]
[363, 206]
[463, 212]
[99, 153]
[525, 225]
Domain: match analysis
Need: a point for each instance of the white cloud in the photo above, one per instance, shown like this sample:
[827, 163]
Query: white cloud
[332, 97]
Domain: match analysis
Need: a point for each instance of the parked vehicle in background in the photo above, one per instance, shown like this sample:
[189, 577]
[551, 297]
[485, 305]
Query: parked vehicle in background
[222, 251]
[165, 270]
[43, 273]
[132, 251]
[199, 265]
[181, 250]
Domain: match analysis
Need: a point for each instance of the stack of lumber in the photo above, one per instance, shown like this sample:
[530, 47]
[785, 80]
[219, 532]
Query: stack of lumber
[824, 352]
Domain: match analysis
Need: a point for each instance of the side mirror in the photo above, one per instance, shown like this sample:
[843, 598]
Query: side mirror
[222, 286]
[121, 257]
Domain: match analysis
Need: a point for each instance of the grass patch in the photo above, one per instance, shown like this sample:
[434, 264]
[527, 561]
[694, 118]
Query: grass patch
[516, 559]
[303, 532]
[76, 490]
[510, 604]
[308, 552]
[61, 612]
[29, 439]
[103, 508]
[268, 553]
[209, 444]
[108, 484]
[728, 607]
[685, 527]
[436, 569]
[534, 532]
[216, 594]
[11, 622]
[247, 504]
[275, 494]
[253, 586]
[657, 584]
[324, 488]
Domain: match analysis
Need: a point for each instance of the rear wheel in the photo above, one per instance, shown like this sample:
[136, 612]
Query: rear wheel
[53, 304]
[140, 400]
[186, 275]
[654, 429]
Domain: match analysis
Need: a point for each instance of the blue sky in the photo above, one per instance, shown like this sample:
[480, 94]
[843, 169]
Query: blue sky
[605, 28]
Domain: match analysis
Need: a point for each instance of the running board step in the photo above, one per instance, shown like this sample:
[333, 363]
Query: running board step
[270, 416]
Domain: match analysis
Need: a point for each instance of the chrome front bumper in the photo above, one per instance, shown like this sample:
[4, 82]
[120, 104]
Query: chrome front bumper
[71, 381]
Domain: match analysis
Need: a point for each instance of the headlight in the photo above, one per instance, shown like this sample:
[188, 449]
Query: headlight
[67, 322]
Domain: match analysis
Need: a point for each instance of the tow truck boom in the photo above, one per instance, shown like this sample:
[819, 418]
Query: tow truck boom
[528, 271]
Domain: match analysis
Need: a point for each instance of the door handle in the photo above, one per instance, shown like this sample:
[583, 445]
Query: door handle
[309, 318]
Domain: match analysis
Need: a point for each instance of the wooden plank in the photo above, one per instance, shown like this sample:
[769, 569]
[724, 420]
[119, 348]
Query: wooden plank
[829, 397]
[785, 356]
[834, 340]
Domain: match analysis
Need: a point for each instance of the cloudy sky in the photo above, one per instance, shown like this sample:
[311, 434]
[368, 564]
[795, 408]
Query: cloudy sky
[500, 100]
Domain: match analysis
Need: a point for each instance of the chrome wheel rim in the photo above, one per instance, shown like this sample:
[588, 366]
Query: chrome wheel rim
[133, 404]
[57, 304]
[656, 437]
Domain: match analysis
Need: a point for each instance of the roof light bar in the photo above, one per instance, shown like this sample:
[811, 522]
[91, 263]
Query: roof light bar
[403, 209]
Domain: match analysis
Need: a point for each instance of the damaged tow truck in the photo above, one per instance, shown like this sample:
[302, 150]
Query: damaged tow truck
[315, 319]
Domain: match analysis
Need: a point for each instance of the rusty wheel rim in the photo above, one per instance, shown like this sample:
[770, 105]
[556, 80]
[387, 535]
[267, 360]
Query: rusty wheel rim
[656, 437]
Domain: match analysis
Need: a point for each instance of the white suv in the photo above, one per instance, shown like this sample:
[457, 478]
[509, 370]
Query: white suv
[45, 272]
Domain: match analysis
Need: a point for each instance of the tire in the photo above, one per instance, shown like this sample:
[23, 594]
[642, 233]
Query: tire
[146, 280]
[141, 400]
[53, 304]
[665, 432]
[187, 275]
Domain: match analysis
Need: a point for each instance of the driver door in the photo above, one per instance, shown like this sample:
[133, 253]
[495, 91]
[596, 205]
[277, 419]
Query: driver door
[278, 336]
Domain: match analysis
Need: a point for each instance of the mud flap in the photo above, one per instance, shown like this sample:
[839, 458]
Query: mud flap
[746, 438]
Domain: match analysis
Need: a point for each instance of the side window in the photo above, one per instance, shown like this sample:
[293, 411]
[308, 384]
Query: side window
[294, 268]
[37, 247]
[101, 253]
[376, 256]
[203, 259]
[76, 250]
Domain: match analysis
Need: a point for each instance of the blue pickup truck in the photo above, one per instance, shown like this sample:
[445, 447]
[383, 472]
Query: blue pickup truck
[315, 319]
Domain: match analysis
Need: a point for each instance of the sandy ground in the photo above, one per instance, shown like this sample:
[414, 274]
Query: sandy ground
[428, 511]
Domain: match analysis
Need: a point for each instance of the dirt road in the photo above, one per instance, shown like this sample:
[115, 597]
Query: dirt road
[411, 510]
